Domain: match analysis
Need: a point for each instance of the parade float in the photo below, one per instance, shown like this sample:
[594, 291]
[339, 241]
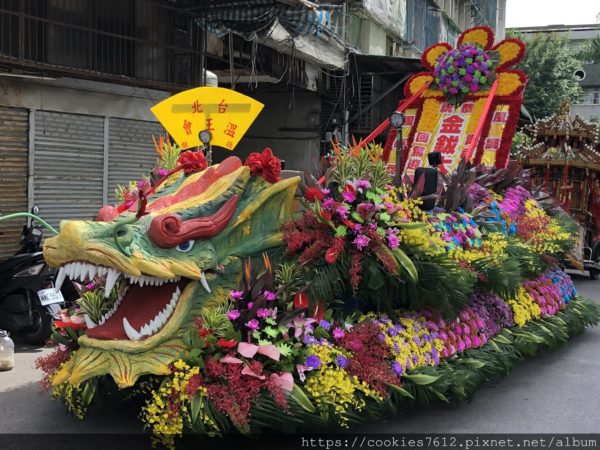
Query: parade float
[564, 157]
[226, 298]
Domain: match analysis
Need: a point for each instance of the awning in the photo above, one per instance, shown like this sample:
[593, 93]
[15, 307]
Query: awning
[390, 65]
[254, 18]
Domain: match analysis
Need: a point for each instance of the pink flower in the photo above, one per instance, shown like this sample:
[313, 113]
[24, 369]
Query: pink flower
[163, 172]
[393, 241]
[262, 313]
[338, 333]
[236, 295]
[269, 296]
[233, 314]
[361, 241]
[349, 196]
[253, 324]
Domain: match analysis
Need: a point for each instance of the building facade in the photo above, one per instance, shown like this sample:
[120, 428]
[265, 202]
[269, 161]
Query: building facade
[77, 79]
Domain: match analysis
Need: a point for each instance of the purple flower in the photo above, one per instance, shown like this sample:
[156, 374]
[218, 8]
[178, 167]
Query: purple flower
[381, 337]
[250, 305]
[269, 295]
[349, 196]
[233, 314]
[308, 340]
[342, 211]
[397, 368]
[141, 184]
[363, 184]
[361, 241]
[313, 361]
[253, 324]
[393, 241]
[325, 324]
[163, 172]
[236, 295]
[263, 312]
[341, 361]
[338, 333]
[89, 286]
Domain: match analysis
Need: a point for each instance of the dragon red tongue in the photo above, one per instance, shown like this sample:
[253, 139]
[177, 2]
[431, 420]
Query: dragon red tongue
[140, 305]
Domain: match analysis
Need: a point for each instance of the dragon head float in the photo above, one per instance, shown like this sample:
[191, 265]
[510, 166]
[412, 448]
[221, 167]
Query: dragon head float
[180, 253]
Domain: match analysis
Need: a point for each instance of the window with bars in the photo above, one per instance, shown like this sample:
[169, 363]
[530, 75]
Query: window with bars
[144, 41]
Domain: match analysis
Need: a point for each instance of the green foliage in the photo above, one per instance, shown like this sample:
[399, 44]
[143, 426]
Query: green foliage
[442, 285]
[591, 50]
[95, 305]
[364, 163]
[519, 141]
[499, 275]
[549, 64]
[289, 276]
[170, 155]
[215, 319]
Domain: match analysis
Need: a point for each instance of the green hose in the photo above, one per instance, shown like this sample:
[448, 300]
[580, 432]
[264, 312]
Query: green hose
[33, 216]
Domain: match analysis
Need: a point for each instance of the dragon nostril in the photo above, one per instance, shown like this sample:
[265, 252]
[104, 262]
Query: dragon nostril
[123, 238]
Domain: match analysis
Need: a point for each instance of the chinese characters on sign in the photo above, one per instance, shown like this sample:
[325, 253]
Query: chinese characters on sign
[225, 113]
[448, 138]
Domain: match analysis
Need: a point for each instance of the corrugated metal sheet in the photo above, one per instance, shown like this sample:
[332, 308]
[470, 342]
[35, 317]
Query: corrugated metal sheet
[14, 126]
[130, 151]
[68, 165]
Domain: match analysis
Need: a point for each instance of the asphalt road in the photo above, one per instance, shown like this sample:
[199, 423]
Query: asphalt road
[556, 392]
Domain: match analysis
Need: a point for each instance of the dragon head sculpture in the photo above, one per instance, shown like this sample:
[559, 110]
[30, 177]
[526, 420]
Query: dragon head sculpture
[184, 253]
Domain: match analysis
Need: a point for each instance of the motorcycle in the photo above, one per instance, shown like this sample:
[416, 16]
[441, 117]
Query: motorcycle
[28, 300]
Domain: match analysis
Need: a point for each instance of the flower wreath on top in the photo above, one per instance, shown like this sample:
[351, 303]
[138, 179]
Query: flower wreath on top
[471, 67]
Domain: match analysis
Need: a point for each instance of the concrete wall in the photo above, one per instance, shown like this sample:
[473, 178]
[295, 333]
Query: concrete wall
[585, 111]
[283, 125]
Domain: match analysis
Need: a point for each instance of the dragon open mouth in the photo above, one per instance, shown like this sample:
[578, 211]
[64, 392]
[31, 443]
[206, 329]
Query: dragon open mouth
[141, 306]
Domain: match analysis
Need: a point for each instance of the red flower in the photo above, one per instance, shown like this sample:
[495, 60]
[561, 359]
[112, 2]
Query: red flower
[264, 164]
[73, 325]
[192, 162]
[331, 255]
[300, 300]
[313, 193]
[222, 342]
[319, 312]
[204, 332]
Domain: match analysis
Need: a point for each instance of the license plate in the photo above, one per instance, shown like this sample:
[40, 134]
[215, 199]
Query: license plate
[50, 296]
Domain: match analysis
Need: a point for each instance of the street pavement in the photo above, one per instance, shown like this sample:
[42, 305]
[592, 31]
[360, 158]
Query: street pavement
[556, 392]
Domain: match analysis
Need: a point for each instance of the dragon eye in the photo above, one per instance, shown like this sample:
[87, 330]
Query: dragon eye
[185, 246]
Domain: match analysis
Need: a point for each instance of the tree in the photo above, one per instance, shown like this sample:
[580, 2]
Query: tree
[591, 50]
[549, 64]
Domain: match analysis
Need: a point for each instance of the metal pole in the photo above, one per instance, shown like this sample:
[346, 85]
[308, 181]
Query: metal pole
[398, 175]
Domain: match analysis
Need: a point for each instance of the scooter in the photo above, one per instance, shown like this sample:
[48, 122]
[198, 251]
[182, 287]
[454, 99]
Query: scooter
[28, 300]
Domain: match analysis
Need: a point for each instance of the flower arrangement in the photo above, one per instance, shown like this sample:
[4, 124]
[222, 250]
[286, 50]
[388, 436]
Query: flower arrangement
[467, 69]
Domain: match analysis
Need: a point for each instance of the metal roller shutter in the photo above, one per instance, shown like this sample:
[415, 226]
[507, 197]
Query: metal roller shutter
[68, 165]
[130, 151]
[14, 126]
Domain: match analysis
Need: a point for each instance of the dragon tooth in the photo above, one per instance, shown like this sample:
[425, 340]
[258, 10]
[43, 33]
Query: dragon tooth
[92, 270]
[204, 283]
[60, 278]
[89, 322]
[131, 333]
[145, 331]
[111, 279]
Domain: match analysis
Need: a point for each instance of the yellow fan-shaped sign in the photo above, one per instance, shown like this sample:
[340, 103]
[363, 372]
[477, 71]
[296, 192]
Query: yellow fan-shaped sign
[226, 114]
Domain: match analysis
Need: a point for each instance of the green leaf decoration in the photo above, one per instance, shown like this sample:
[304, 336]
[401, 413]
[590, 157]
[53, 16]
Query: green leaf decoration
[196, 406]
[400, 390]
[407, 264]
[474, 363]
[302, 399]
[422, 379]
